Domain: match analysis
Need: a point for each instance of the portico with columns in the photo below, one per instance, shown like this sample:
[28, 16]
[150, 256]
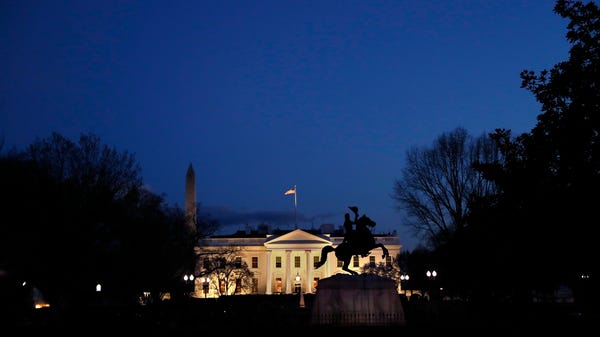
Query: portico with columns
[285, 259]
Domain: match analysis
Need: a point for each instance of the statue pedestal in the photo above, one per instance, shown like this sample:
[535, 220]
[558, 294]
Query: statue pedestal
[352, 300]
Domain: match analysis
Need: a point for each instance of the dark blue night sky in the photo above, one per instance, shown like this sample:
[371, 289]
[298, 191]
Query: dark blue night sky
[260, 96]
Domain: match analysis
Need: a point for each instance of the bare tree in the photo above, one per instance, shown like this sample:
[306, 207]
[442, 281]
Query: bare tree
[438, 182]
[225, 268]
[391, 271]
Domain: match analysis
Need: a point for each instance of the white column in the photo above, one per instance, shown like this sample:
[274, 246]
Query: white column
[309, 269]
[269, 289]
[288, 272]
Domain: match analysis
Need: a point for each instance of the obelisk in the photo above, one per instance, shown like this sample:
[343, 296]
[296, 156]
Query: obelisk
[190, 198]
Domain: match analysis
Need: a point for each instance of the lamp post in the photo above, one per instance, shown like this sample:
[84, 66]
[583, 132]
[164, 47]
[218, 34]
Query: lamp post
[297, 286]
[298, 289]
[431, 275]
[188, 279]
[403, 281]
[205, 283]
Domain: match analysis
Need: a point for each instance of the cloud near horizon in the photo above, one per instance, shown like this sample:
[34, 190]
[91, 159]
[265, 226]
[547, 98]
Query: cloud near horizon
[229, 216]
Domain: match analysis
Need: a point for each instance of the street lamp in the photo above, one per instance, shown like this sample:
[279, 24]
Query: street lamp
[299, 291]
[403, 280]
[188, 279]
[431, 274]
[297, 284]
[205, 282]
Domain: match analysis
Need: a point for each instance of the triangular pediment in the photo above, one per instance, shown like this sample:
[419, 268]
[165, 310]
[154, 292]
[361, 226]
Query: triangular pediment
[298, 237]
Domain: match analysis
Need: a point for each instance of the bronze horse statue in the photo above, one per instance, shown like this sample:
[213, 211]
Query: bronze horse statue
[361, 242]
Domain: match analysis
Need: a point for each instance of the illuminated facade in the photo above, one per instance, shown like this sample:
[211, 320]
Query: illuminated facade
[284, 262]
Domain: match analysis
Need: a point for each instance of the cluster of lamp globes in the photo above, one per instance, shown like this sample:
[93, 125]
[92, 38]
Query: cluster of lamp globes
[431, 274]
[191, 278]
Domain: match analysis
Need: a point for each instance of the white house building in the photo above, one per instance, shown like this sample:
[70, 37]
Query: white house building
[283, 261]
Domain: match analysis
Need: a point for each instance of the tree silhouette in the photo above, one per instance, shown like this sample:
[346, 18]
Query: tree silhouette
[437, 183]
[548, 181]
[77, 215]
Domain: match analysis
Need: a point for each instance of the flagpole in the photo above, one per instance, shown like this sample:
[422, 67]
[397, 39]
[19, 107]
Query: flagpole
[295, 207]
[294, 191]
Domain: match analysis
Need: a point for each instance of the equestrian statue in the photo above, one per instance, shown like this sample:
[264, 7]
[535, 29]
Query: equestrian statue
[359, 241]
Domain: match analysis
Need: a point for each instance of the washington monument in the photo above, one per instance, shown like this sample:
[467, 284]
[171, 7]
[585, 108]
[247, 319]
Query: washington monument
[190, 198]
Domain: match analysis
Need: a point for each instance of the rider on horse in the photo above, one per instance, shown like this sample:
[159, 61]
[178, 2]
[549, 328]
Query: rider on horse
[361, 239]
[356, 242]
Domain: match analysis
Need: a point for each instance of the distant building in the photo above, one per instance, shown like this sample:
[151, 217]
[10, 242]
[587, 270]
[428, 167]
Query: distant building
[283, 261]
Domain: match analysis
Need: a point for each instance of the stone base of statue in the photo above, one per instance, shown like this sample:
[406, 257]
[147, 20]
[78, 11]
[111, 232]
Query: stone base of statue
[357, 300]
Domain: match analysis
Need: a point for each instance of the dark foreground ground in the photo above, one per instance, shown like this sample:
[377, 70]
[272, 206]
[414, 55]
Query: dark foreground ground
[281, 315]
